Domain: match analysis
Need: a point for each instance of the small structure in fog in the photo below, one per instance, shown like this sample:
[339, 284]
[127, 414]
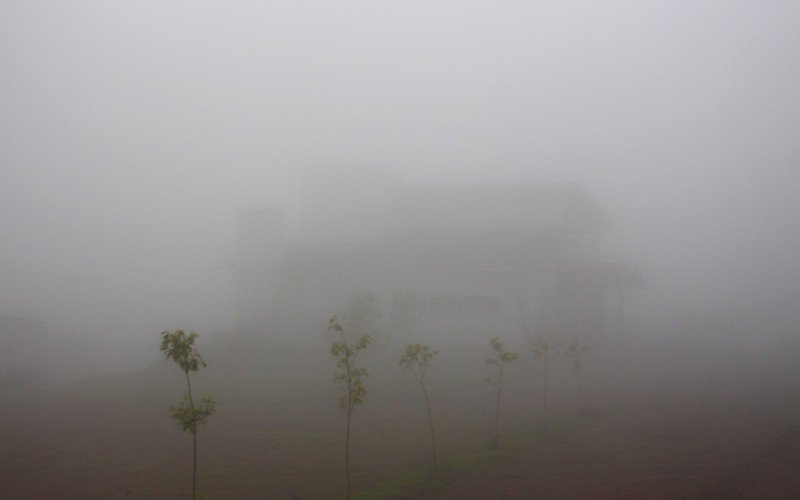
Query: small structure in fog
[479, 260]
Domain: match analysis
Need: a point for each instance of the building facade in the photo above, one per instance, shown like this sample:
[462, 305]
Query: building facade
[449, 263]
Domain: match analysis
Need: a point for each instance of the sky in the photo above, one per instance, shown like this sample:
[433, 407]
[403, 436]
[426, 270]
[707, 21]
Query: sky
[132, 132]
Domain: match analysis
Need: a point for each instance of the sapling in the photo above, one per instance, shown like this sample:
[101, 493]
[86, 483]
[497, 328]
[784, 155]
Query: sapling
[573, 352]
[417, 358]
[545, 350]
[349, 379]
[501, 358]
[179, 347]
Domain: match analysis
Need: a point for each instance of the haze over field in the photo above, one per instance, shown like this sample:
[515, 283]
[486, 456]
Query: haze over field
[132, 133]
[563, 237]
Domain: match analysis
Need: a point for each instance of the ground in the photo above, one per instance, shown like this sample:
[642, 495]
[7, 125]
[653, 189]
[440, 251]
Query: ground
[701, 436]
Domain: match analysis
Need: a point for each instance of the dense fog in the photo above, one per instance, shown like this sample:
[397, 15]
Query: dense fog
[622, 172]
[132, 134]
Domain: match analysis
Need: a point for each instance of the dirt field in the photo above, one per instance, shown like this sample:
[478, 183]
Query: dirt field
[696, 448]
[730, 435]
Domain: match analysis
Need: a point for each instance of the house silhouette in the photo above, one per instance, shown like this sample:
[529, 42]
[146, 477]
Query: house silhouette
[465, 261]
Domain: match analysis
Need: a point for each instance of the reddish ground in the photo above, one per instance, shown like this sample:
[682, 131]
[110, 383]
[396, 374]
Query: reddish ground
[699, 437]
[695, 448]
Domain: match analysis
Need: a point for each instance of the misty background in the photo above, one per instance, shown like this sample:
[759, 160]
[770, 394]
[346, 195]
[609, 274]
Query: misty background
[131, 134]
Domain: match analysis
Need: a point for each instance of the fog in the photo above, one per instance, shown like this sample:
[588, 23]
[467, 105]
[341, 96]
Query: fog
[136, 137]
[133, 133]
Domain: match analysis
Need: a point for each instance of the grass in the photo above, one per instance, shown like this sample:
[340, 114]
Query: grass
[432, 478]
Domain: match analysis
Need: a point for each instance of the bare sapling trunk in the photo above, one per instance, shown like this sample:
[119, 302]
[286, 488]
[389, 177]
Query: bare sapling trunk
[430, 421]
[417, 358]
[580, 387]
[347, 455]
[347, 432]
[194, 439]
[575, 352]
[501, 358]
[547, 351]
[497, 407]
[545, 391]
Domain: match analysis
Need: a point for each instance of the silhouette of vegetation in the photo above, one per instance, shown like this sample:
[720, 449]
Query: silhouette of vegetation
[574, 352]
[417, 358]
[349, 378]
[499, 361]
[547, 351]
[179, 347]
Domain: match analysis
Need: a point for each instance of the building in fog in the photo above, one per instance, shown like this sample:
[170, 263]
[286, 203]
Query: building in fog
[470, 261]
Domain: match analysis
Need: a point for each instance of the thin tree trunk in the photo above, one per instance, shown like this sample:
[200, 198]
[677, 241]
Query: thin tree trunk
[347, 432]
[194, 439]
[580, 388]
[497, 409]
[545, 387]
[621, 313]
[430, 421]
[194, 464]
[189, 385]
[347, 453]
[542, 312]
